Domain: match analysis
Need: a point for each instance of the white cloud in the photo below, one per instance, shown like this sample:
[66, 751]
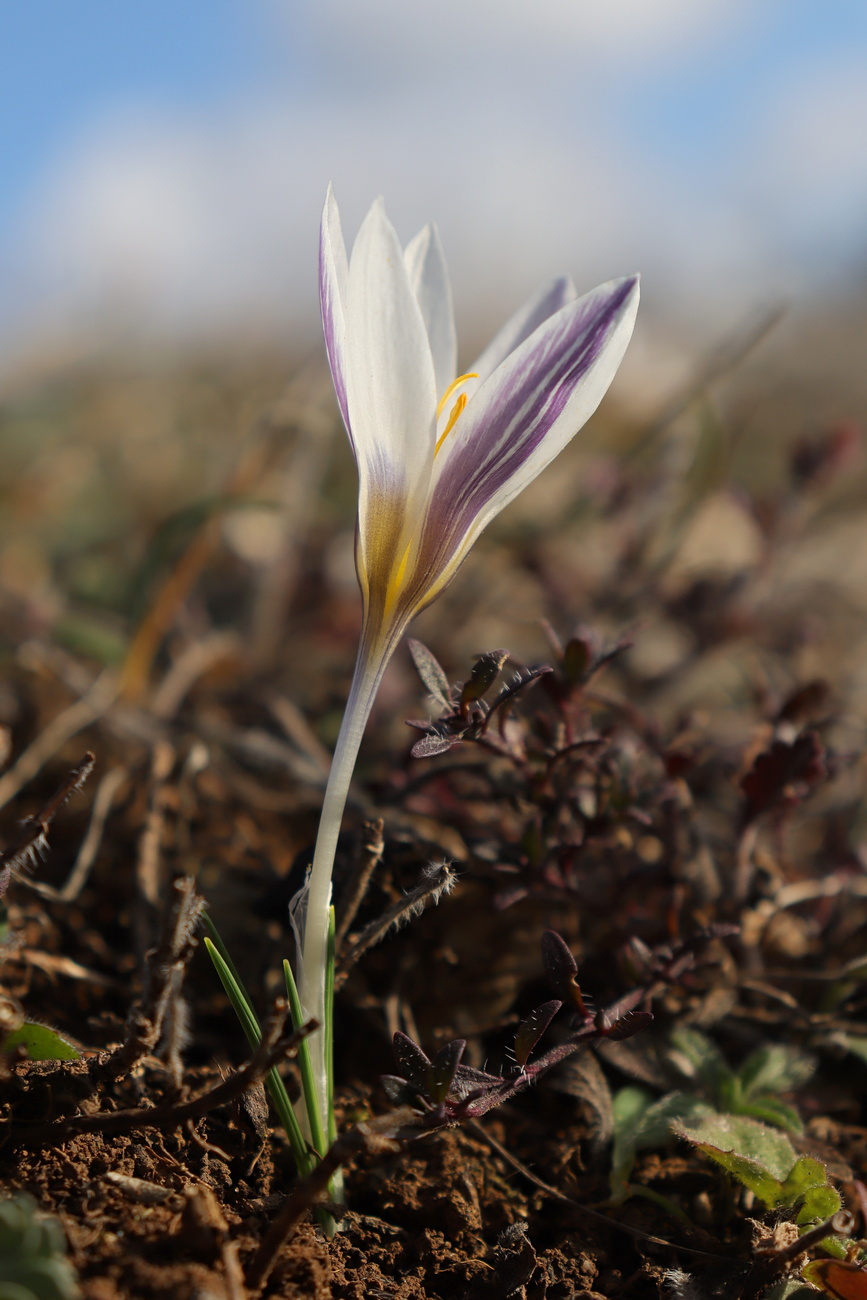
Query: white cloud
[810, 169]
[494, 117]
[191, 228]
[451, 32]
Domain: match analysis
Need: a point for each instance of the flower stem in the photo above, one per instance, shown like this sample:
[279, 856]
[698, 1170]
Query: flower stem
[369, 668]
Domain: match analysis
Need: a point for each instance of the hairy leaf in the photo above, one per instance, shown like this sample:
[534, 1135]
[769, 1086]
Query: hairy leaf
[532, 1029]
[751, 1173]
[467, 1080]
[443, 1067]
[640, 1122]
[631, 1022]
[657, 1124]
[432, 744]
[411, 1060]
[775, 1068]
[697, 1057]
[818, 1204]
[791, 1288]
[758, 1156]
[804, 1174]
[430, 672]
[561, 969]
[522, 679]
[40, 1043]
[398, 1091]
[484, 673]
[582, 1077]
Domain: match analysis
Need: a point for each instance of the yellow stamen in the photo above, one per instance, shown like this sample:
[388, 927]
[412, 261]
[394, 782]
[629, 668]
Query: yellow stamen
[456, 409]
[461, 379]
[453, 419]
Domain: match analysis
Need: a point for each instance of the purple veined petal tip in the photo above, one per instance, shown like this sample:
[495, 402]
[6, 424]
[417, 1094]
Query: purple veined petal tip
[607, 307]
[633, 284]
[565, 365]
[624, 287]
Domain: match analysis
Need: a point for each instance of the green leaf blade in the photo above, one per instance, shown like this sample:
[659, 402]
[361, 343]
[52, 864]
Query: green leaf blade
[745, 1137]
[805, 1174]
[818, 1205]
[243, 1009]
[760, 1181]
[40, 1043]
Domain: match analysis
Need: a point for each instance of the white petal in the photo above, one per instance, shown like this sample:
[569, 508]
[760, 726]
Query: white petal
[429, 276]
[520, 326]
[390, 384]
[333, 279]
[526, 413]
[587, 394]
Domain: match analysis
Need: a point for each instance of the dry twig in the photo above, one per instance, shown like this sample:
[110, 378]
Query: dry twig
[166, 964]
[32, 838]
[436, 879]
[147, 868]
[61, 729]
[481, 1132]
[381, 1136]
[372, 849]
[102, 803]
[274, 1047]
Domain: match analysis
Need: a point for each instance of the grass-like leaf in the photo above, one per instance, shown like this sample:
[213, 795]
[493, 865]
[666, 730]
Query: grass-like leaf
[243, 1009]
[305, 1065]
[328, 1027]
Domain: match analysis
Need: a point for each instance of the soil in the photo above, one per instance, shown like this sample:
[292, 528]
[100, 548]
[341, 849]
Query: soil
[690, 773]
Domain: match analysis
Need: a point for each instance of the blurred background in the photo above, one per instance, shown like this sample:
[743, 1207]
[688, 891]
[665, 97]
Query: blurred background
[177, 497]
[162, 171]
[162, 165]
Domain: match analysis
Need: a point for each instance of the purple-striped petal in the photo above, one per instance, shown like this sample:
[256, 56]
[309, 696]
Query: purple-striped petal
[524, 322]
[428, 485]
[333, 281]
[524, 414]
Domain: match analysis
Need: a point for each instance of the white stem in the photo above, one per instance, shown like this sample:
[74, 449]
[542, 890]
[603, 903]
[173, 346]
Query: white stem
[369, 668]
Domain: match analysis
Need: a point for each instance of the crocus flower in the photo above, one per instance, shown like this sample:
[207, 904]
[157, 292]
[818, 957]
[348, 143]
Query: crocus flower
[438, 454]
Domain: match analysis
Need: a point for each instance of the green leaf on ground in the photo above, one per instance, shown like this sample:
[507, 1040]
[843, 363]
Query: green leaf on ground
[746, 1138]
[40, 1043]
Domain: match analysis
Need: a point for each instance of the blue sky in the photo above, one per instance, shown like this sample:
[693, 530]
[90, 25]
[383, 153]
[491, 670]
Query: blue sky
[69, 64]
[166, 162]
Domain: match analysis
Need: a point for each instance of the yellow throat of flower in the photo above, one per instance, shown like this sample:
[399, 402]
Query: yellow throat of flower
[395, 580]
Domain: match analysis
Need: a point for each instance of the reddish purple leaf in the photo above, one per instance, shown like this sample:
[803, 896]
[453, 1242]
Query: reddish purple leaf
[783, 774]
[532, 1029]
